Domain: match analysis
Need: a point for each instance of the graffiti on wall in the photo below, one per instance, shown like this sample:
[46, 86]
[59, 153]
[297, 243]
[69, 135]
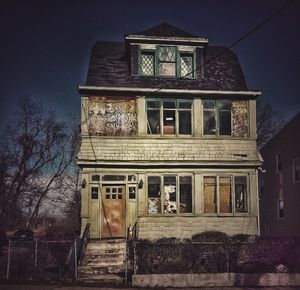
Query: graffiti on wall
[111, 117]
[240, 118]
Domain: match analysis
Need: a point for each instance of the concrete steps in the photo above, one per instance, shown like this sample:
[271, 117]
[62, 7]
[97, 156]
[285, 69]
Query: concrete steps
[104, 262]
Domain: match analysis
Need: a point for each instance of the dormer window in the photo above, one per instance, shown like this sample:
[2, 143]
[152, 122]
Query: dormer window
[147, 63]
[166, 61]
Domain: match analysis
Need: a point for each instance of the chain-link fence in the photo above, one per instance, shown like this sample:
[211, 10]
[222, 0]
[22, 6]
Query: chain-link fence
[38, 259]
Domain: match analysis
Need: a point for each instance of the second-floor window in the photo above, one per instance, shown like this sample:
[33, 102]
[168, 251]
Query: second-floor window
[169, 117]
[217, 117]
[166, 61]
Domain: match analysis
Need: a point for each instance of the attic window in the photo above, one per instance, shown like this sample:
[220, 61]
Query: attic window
[147, 63]
[166, 61]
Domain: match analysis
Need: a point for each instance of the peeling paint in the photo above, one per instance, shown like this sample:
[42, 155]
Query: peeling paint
[112, 117]
[240, 124]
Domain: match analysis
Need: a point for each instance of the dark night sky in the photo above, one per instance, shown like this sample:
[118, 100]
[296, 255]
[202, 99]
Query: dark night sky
[45, 45]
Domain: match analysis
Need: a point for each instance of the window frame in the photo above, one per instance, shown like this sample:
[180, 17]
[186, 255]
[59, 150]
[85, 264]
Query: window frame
[178, 54]
[278, 164]
[177, 110]
[297, 159]
[217, 111]
[147, 51]
[178, 194]
[280, 209]
[233, 195]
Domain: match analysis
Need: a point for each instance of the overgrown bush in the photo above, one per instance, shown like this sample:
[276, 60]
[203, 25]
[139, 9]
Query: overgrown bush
[215, 252]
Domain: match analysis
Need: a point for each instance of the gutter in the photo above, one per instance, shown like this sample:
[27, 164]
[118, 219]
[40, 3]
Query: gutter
[88, 89]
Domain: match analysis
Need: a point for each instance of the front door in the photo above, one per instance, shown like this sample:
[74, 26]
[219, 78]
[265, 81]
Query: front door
[113, 221]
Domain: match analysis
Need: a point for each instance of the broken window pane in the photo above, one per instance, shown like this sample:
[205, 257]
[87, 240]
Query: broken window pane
[240, 183]
[185, 124]
[154, 202]
[185, 187]
[169, 121]
[225, 194]
[132, 192]
[153, 122]
[94, 193]
[210, 195]
[209, 122]
[170, 194]
[225, 122]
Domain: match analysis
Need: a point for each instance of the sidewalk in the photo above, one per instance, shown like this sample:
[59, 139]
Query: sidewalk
[57, 287]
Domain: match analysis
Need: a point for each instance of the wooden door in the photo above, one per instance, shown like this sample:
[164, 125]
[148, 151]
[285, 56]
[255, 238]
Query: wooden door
[113, 221]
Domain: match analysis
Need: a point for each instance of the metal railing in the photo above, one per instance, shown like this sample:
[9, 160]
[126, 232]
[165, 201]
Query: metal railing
[83, 243]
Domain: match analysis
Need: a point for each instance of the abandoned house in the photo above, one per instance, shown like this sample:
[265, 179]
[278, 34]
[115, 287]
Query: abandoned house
[280, 182]
[168, 138]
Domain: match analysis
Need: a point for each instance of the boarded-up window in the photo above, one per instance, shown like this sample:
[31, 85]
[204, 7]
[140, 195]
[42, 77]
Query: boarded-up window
[167, 60]
[219, 196]
[225, 194]
[111, 116]
[240, 120]
[210, 195]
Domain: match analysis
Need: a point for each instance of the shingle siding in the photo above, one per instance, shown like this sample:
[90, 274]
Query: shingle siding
[179, 149]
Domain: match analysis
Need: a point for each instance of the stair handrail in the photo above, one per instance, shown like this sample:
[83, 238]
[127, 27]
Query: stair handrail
[85, 238]
[132, 232]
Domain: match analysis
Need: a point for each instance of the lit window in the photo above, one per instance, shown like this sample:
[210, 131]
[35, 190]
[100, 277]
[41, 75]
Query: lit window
[218, 194]
[280, 209]
[278, 162]
[296, 170]
[176, 197]
[217, 117]
[169, 117]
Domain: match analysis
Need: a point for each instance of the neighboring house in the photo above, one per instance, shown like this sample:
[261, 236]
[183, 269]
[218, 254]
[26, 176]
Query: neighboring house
[280, 182]
[168, 138]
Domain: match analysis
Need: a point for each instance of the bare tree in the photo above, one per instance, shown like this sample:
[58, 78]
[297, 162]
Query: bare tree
[35, 152]
[269, 123]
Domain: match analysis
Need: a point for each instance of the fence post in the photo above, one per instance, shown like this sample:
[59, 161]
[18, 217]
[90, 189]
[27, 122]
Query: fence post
[134, 258]
[35, 252]
[75, 261]
[228, 258]
[8, 259]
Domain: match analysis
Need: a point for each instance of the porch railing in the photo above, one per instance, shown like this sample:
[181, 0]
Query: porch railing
[83, 243]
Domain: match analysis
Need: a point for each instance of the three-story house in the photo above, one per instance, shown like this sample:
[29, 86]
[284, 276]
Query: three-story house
[168, 138]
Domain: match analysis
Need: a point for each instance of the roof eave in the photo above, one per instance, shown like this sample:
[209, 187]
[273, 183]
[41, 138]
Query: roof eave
[167, 39]
[103, 89]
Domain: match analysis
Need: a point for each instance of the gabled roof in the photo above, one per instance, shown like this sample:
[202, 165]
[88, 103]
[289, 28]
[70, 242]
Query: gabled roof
[164, 30]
